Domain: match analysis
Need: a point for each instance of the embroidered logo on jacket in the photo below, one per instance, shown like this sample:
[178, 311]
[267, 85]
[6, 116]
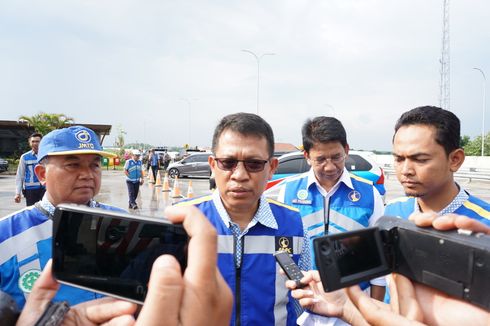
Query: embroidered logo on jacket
[284, 244]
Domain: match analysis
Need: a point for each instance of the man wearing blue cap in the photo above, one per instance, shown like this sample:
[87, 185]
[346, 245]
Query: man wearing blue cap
[70, 168]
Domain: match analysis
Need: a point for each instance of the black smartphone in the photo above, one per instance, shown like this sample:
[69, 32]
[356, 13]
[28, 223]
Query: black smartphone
[112, 252]
[290, 268]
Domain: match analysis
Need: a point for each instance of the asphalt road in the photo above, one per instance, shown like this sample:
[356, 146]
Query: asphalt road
[153, 200]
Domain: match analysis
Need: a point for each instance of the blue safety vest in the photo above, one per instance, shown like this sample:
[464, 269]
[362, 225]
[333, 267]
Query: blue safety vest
[261, 297]
[473, 207]
[25, 248]
[134, 170]
[30, 178]
[349, 209]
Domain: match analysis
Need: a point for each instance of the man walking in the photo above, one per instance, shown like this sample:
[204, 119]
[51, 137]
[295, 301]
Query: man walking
[154, 162]
[134, 177]
[26, 181]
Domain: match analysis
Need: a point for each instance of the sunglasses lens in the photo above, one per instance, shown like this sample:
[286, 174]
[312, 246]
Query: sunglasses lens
[227, 164]
[254, 166]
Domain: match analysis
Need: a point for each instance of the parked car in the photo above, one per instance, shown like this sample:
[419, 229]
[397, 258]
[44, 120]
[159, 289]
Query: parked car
[4, 165]
[192, 166]
[357, 162]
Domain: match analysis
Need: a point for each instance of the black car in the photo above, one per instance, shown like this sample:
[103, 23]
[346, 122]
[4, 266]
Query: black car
[4, 165]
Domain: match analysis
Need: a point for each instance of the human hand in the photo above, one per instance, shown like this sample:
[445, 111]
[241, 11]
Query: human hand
[201, 296]
[141, 180]
[17, 198]
[315, 299]
[93, 312]
[449, 222]
[403, 310]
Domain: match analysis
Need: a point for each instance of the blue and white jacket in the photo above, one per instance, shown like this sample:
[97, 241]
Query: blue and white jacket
[134, 169]
[26, 247]
[469, 206]
[355, 204]
[261, 297]
[25, 177]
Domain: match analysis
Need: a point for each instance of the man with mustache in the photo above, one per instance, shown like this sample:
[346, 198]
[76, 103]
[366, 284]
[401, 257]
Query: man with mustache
[427, 153]
[250, 227]
[70, 168]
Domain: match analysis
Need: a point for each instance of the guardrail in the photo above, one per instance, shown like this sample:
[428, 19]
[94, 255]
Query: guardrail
[468, 173]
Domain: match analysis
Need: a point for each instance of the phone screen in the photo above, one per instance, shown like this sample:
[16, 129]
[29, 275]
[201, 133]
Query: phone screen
[95, 250]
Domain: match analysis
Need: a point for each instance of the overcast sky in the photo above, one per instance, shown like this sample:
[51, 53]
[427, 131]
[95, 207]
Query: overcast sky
[138, 64]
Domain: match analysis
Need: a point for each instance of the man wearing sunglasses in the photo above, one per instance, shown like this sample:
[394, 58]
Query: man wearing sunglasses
[329, 198]
[250, 227]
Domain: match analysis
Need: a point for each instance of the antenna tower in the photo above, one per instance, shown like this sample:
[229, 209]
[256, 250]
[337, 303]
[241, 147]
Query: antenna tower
[444, 87]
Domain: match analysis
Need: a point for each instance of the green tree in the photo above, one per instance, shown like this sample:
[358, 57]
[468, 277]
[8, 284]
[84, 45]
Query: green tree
[46, 122]
[473, 147]
[464, 140]
[119, 142]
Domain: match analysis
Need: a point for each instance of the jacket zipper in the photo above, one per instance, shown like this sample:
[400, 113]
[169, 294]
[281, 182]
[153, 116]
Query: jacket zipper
[238, 288]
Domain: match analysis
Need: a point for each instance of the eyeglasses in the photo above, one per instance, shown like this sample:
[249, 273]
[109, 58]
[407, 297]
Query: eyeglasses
[230, 164]
[336, 159]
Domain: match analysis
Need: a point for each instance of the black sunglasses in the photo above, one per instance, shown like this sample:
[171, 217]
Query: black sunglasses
[230, 164]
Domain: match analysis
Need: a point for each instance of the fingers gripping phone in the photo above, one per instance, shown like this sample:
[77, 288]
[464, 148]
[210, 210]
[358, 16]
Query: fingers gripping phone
[290, 268]
[112, 252]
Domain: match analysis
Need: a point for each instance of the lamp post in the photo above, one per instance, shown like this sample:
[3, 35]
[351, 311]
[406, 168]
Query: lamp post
[189, 127]
[483, 113]
[258, 71]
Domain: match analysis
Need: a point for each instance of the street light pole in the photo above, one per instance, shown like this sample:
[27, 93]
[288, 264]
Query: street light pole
[189, 127]
[258, 72]
[483, 112]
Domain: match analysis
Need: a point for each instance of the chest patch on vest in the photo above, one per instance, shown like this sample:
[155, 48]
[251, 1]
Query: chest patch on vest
[301, 198]
[27, 280]
[354, 196]
[284, 244]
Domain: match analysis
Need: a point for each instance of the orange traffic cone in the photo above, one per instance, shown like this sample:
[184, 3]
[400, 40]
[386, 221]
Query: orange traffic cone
[176, 189]
[158, 181]
[190, 191]
[166, 186]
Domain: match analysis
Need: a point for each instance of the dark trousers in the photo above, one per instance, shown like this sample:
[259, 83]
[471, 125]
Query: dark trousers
[133, 189]
[34, 195]
[154, 170]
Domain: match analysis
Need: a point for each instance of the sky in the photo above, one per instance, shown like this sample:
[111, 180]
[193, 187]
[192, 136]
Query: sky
[165, 72]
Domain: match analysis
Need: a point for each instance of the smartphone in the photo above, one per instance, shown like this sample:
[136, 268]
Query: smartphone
[290, 268]
[112, 253]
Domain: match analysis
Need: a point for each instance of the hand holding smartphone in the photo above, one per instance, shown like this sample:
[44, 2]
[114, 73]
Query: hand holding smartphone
[112, 252]
[292, 271]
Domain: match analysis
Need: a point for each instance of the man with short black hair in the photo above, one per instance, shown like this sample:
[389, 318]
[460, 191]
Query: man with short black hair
[427, 153]
[70, 168]
[250, 227]
[26, 181]
[329, 198]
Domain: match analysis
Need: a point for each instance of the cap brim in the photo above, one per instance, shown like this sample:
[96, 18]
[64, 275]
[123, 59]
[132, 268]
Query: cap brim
[83, 152]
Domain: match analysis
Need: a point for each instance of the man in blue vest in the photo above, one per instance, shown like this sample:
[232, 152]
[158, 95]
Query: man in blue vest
[133, 168]
[427, 153]
[329, 198]
[69, 165]
[250, 227]
[26, 181]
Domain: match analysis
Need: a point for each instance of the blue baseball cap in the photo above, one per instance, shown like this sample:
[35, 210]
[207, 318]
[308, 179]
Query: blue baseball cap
[71, 141]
